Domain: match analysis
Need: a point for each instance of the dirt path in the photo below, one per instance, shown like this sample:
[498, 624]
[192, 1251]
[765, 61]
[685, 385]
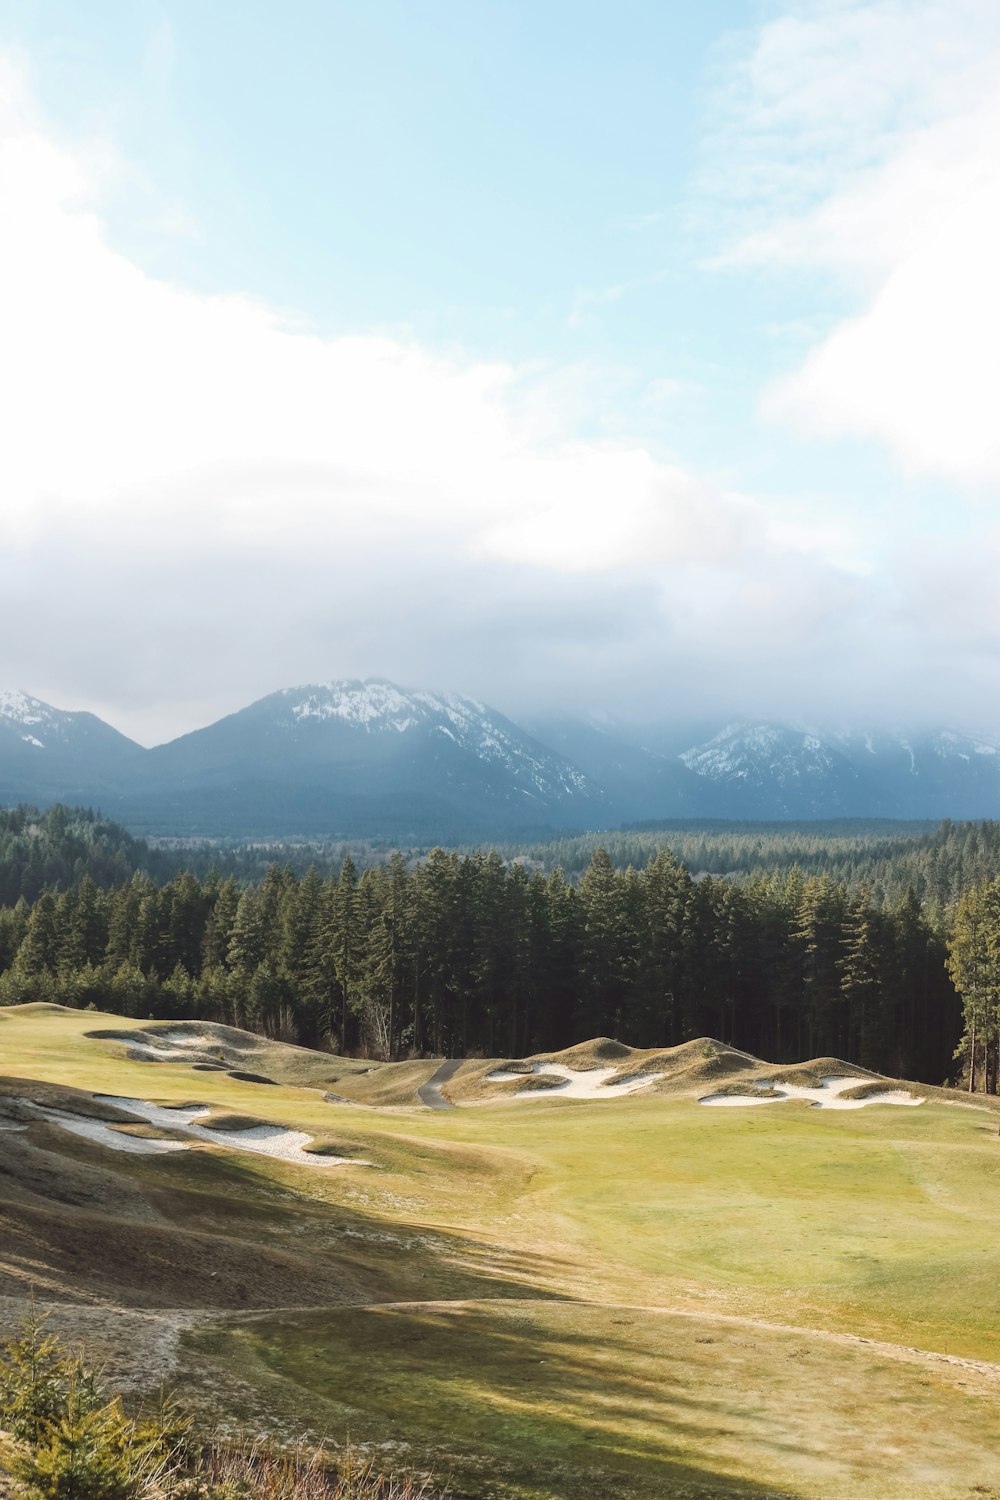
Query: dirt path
[906, 1352]
[430, 1093]
[151, 1338]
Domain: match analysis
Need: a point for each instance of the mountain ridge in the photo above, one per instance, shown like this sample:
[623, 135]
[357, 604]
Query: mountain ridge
[368, 757]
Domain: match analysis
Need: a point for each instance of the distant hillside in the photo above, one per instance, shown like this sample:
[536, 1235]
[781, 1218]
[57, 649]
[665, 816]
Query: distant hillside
[58, 847]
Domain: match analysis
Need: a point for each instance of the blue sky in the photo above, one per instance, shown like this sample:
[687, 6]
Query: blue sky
[638, 357]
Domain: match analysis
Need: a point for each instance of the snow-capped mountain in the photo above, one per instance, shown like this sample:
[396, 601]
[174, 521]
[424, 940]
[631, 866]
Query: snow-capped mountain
[371, 757]
[937, 773]
[761, 769]
[47, 753]
[783, 771]
[780, 772]
[377, 707]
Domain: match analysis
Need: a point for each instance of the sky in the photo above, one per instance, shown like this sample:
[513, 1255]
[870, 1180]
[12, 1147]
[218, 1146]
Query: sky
[637, 358]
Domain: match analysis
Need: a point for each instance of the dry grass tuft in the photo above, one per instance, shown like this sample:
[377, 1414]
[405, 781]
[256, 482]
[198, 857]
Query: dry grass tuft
[252, 1470]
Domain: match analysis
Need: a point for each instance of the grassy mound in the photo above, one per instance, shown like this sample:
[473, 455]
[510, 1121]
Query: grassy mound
[536, 1083]
[224, 1120]
[206, 1043]
[19, 1095]
[594, 1054]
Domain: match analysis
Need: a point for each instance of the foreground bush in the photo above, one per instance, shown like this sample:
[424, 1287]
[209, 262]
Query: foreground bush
[70, 1440]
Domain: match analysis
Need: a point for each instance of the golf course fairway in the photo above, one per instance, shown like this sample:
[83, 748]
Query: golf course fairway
[526, 1297]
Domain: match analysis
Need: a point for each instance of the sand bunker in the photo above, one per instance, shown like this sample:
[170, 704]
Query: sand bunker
[576, 1083]
[827, 1096]
[96, 1130]
[264, 1140]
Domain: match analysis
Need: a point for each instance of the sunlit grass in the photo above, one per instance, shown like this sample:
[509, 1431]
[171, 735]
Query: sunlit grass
[501, 1220]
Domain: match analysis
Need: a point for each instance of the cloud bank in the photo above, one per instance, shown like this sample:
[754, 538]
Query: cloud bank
[204, 499]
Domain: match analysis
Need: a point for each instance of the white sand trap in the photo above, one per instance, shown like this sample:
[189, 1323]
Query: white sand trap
[264, 1140]
[827, 1096]
[97, 1130]
[577, 1083]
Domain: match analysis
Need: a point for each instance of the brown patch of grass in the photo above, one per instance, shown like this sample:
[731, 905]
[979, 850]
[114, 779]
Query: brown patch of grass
[221, 1119]
[325, 1145]
[255, 1470]
[745, 1089]
[249, 1057]
[536, 1083]
[145, 1132]
[597, 1053]
[18, 1094]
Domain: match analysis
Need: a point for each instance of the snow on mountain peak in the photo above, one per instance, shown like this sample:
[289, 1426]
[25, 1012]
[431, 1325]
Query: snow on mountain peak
[24, 713]
[754, 751]
[949, 745]
[18, 708]
[367, 705]
[375, 706]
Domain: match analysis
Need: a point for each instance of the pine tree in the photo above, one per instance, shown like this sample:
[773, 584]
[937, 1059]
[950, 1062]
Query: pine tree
[972, 966]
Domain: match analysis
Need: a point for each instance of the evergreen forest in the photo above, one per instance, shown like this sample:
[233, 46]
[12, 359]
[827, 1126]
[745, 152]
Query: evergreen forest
[878, 947]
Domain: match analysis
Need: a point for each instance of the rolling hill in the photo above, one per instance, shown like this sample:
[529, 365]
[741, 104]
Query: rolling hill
[541, 1296]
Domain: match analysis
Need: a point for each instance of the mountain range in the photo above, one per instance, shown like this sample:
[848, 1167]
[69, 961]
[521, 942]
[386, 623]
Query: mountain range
[370, 759]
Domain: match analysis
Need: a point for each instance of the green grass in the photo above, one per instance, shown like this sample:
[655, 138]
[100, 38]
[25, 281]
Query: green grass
[524, 1399]
[622, 1289]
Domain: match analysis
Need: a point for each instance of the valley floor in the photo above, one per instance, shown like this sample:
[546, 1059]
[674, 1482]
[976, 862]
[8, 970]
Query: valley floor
[545, 1297]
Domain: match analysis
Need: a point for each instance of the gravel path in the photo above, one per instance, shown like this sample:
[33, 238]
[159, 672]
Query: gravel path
[430, 1093]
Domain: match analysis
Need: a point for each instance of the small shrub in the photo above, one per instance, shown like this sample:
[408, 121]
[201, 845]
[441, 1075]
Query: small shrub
[33, 1378]
[72, 1441]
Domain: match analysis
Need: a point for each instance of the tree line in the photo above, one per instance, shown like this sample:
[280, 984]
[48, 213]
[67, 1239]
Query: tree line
[938, 861]
[54, 849]
[472, 953]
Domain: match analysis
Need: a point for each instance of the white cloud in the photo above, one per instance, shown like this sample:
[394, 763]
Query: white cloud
[202, 500]
[122, 392]
[865, 142]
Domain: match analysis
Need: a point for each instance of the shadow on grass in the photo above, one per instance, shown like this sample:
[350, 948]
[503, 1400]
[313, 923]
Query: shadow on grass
[206, 1229]
[561, 1400]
